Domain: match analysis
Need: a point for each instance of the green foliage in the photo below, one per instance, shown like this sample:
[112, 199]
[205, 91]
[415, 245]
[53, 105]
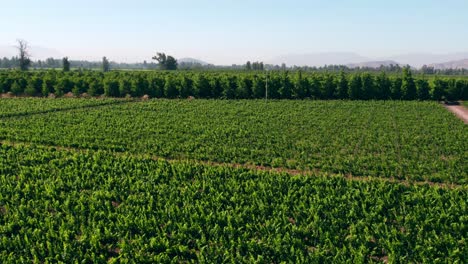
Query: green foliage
[111, 87]
[258, 86]
[170, 87]
[33, 87]
[397, 94]
[94, 207]
[383, 84]
[286, 87]
[328, 87]
[366, 138]
[138, 86]
[423, 92]
[243, 84]
[368, 87]
[342, 86]
[99, 194]
[17, 88]
[65, 64]
[202, 86]
[354, 87]
[244, 87]
[439, 89]
[166, 62]
[186, 87]
[48, 85]
[156, 86]
[124, 87]
[229, 85]
[408, 87]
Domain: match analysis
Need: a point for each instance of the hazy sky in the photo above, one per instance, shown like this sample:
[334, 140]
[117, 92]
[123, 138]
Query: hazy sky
[232, 31]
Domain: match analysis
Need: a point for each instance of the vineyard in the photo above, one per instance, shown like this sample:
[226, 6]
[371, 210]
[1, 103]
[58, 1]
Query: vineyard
[301, 181]
[235, 85]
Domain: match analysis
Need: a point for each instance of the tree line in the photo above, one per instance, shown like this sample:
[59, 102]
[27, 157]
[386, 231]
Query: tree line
[236, 85]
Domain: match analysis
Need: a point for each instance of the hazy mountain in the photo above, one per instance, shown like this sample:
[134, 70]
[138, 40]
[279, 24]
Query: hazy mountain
[192, 60]
[319, 59]
[420, 59]
[458, 64]
[36, 52]
[373, 64]
[354, 60]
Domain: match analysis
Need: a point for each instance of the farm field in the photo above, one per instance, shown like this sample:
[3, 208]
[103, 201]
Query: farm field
[189, 181]
[14, 107]
[418, 141]
[92, 206]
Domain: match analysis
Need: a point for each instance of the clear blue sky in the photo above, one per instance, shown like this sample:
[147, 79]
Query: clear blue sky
[232, 31]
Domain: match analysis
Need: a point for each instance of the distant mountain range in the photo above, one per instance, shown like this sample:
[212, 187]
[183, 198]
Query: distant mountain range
[373, 64]
[319, 59]
[417, 60]
[458, 64]
[350, 59]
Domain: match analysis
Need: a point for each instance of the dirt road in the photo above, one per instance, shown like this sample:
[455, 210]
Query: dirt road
[460, 111]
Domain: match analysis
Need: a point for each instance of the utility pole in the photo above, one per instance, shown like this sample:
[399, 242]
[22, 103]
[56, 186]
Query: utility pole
[266, 86]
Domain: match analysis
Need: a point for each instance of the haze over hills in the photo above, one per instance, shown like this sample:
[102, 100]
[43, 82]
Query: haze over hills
[458, 64]
[439, 61]
[373, 64]
[419, 59]
[319, 59]
[192, 60]
[350, 59]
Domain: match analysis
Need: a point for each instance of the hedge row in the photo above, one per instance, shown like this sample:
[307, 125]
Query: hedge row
[236, 85]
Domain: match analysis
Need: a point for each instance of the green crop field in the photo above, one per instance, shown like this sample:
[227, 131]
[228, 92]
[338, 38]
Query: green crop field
[404, 140]
[163, 181]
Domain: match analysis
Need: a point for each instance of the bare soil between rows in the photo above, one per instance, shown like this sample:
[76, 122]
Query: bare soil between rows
[459, 110]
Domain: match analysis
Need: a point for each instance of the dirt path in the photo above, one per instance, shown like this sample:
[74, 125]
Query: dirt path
[460, 111]
[292, 172]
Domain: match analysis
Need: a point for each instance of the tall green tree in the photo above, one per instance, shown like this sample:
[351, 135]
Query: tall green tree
[244, 87]
[367, 87]
[186, 87]
[202, 86]
[408, 87]
[354, 87]
[105, 64]
[248, 66]
[342, 86]
[286, 87]
[396, 88]
[383, 87]
[439, 89]
[300, 86]
[111, 87]
[423, 89]
[165, 62]
[314, 84]
[229, 84]
[258, 86]
[156, 86]
[124, 87]
[138, 86]
[170, 87]
[216, 86]
[455, 89]
[65, 64]
[328, 87]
